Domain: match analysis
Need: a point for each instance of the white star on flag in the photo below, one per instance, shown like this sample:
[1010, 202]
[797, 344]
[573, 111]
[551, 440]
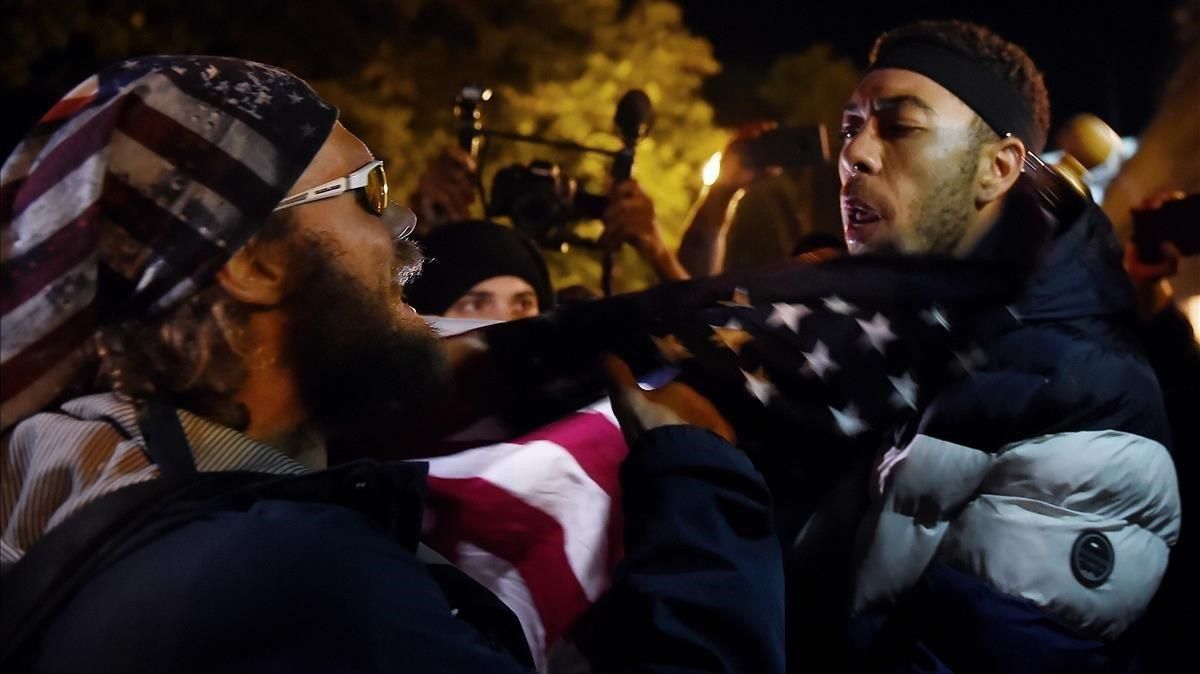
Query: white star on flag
[877, 331]
[295, 97]
[935, 317]
[759, 386]
[906, 391]
[848, 421]
[839, 306]
[819, 361]
[788, 314]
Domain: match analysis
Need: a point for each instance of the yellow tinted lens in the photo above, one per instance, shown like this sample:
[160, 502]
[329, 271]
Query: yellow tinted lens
[376, 191]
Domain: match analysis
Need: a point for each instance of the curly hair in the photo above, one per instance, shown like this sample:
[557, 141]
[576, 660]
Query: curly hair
[1004, 59]
[192, 356]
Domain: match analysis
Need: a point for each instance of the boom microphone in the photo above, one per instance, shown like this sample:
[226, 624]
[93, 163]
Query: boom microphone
[635, 115]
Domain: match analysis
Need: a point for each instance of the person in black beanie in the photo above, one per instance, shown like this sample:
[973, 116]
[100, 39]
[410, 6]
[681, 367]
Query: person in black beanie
[481, 270]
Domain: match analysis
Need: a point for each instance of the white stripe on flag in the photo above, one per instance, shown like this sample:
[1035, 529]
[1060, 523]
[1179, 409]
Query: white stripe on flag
[49, 308]
[546, 476]
[58, 206]
[235, 137]
[20, 162]
[505, 582]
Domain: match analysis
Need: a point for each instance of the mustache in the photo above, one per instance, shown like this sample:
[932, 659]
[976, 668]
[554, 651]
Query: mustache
[856, 190]
[408, 261]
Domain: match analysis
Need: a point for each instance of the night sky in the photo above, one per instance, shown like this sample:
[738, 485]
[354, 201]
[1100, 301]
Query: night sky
[1108, 58]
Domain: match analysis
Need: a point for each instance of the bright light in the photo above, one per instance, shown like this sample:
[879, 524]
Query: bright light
[1191, 308]
[712, 169]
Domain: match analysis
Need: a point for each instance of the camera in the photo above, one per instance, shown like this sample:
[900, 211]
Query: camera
[1176, 221]
[542, 202]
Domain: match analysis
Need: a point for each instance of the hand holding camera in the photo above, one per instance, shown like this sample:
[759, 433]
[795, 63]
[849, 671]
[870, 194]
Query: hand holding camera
[1166, 228]
[737, 169]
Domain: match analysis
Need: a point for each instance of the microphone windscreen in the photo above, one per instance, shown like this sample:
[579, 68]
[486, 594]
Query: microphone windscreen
[634, 115]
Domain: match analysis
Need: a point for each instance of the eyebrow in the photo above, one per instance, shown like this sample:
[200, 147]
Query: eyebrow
[894, 102]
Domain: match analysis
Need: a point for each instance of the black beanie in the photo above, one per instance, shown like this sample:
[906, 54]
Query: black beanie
[461, 254]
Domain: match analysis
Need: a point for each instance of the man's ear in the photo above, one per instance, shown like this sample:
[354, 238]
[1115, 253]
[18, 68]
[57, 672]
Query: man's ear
[257, 273]
[1002, 162]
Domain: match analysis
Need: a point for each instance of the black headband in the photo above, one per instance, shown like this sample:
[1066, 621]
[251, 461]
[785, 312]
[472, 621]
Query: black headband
[996, 101]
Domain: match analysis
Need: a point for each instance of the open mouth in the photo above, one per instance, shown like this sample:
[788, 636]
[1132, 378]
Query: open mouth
[861, 222]
[859, 214]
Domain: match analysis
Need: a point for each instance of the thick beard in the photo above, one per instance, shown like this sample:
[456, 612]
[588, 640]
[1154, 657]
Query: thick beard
[363, 368]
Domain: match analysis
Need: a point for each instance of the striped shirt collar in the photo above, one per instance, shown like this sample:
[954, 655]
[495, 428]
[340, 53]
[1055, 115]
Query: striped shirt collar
[57, 462]
[214, 447]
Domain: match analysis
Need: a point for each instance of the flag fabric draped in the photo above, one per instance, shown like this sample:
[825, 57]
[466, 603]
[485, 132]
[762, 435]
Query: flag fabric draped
[537, 520]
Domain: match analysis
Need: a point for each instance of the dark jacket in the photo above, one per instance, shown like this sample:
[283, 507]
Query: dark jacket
[1026, 524]
[320, 575]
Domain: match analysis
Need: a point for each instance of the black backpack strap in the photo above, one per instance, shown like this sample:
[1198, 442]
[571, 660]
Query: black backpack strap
[72, 553]
[164, 440]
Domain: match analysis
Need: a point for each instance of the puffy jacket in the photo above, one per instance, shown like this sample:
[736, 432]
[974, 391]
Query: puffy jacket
[1045, 476]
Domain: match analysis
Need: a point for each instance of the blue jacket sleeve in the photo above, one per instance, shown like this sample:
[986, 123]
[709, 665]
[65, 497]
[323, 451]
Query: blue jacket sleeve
[701, 586]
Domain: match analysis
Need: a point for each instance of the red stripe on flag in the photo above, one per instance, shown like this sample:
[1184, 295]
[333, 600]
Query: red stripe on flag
[17, 373]
[8, 198]
[594, 441]
[25, 276]
[476, 511]
[67, 107]
[66, 157]
[599, 448]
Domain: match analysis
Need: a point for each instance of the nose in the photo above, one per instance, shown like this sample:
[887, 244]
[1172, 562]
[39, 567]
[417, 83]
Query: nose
[860, 154]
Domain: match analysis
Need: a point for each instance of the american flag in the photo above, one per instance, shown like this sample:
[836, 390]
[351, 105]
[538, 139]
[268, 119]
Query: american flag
[537, 519]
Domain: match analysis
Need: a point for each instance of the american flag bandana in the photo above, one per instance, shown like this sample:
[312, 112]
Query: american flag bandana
[130, 193]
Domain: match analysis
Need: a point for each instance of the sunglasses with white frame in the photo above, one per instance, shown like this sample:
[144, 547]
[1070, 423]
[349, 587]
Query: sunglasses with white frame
[373, 181]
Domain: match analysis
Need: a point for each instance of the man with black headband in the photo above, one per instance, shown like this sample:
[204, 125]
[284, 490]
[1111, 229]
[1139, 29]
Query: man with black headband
[935, 139]
[1026, 524]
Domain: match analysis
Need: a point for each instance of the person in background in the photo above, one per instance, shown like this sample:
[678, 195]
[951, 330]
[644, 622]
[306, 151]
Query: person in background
[445, 194]
[750, 217]
[480, 270]
[1172, 346]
